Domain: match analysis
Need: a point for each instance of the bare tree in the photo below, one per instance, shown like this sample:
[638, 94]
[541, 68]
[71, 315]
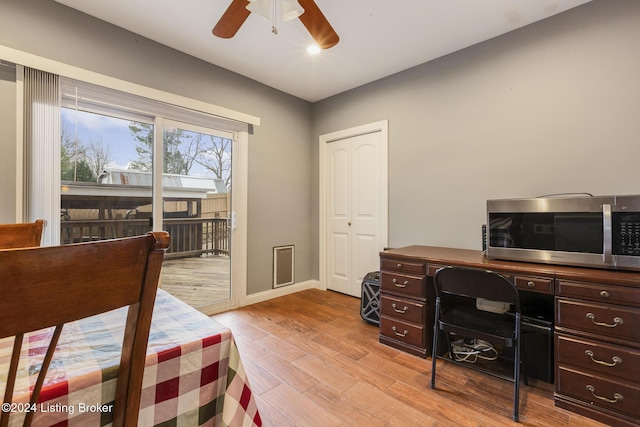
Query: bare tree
[98, 155]
[182, 149]
[215, 156]
[73, 158]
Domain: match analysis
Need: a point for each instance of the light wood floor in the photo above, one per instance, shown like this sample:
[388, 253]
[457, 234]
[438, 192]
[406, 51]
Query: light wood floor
[312, 361]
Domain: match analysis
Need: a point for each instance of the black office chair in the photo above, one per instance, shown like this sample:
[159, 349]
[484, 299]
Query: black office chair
[457, 290]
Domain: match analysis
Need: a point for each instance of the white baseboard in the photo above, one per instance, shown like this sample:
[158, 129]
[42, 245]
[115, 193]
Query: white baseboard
[278, 292]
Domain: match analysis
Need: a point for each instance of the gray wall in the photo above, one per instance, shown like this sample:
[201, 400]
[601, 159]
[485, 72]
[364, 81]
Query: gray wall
[279, 152]
[550, 108]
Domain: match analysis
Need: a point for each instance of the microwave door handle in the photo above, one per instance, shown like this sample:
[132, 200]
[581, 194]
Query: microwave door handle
[607, 243]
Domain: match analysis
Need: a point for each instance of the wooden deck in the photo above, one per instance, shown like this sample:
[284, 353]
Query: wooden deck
[197, 281]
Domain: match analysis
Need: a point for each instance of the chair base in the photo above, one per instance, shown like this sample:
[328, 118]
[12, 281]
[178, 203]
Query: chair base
[485, 370]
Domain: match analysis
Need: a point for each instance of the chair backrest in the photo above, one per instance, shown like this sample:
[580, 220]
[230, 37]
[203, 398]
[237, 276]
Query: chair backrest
[26, 235]
[51, 286]
[476, 283]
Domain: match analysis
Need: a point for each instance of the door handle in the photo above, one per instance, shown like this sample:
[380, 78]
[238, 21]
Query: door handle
[607, 243]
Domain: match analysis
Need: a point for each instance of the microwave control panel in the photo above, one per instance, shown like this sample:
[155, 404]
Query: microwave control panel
[628, 234]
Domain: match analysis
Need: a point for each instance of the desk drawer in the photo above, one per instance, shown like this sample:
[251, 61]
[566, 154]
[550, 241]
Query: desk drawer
[405, 310]
[536, 284]
[598, 357]
[608, 320]
[401, 266]
[599, 391]
[411, 286]
[599, 292]
[433, 268]
[401, 331]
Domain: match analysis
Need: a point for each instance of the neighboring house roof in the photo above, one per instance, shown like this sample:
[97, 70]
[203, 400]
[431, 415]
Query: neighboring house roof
[169, 181]
[126, 189]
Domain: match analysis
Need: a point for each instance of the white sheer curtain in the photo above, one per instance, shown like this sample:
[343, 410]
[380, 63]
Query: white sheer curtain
[42, 151]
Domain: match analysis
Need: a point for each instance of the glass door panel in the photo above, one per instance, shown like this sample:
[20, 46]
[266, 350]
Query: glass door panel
[106, 179]
[196, 206]
[108, 183]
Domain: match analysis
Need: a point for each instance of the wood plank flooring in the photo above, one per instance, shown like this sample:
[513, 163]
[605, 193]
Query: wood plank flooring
[198, 281]
[312, 361]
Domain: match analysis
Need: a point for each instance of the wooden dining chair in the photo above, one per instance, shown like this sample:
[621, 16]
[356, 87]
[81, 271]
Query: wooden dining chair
[50, 286]
[24, 235]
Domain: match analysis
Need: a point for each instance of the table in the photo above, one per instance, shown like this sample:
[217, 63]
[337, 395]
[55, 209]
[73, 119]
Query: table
[593, 313]
[193, 373]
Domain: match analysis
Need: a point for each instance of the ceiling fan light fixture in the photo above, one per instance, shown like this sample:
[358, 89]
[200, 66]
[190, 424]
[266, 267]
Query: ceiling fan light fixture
[290, 9]
[307, 11]
[261, 7]
[313, 49]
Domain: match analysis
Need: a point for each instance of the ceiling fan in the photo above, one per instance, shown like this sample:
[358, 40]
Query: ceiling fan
[309, 14]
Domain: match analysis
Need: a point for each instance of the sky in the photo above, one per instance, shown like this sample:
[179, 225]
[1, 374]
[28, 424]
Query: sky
[112, 132]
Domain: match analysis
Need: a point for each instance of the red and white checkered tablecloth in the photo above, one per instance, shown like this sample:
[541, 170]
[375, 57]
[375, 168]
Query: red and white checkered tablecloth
[193, 374]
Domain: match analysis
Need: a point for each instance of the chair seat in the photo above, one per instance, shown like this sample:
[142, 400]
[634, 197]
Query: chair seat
[457, 290]
[492, 327]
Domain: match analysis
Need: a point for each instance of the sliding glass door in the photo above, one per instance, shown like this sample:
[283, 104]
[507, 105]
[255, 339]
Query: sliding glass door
[196, 211]
[121, 177]
[106, 188]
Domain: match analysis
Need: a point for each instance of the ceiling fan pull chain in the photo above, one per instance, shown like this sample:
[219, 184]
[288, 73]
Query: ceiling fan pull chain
[274, 29]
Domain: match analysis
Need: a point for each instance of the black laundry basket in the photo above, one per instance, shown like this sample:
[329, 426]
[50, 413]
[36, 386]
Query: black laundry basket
[370, 301]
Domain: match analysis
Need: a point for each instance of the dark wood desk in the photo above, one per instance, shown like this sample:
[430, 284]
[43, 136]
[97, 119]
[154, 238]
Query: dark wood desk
[597, 322]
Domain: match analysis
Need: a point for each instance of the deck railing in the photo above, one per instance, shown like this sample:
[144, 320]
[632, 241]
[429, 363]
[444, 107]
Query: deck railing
[189, 236]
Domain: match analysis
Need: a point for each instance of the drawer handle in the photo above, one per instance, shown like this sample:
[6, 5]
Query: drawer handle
[399, 265]
[400, 285]
[616, 321]
[604, 294]
[616, 396]
[400, 334]
[616, 360]
[531, 284]
[395, 308]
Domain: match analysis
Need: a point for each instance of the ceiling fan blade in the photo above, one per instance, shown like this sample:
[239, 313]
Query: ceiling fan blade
[232, 19]
[318, 25]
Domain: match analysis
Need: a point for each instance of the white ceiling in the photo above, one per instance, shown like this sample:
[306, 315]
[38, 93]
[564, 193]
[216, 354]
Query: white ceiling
[377, 37]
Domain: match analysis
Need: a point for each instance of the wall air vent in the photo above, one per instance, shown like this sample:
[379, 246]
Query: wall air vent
[283, 265]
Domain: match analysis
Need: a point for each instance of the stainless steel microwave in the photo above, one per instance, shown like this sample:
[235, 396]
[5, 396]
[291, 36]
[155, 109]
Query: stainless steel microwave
[591, 231]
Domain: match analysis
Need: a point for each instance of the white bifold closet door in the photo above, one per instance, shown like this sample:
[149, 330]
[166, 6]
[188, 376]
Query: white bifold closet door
[354, 210]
